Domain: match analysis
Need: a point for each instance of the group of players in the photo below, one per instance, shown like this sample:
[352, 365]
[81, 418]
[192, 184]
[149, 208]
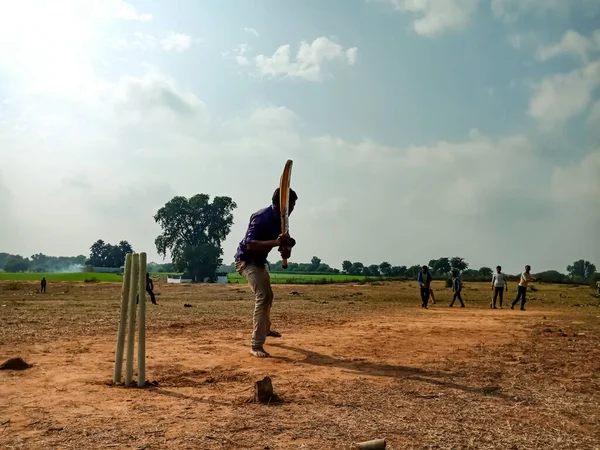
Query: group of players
[264, 234]
[499, 285]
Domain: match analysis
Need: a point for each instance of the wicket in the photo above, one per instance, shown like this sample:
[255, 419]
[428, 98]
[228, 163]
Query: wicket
[134, 284]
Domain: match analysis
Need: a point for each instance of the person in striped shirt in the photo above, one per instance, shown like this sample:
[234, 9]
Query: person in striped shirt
[522, 288]
[499, 283]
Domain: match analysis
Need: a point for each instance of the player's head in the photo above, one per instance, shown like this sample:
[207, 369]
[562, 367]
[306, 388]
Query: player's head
[425, 269]
[498, 269]
[293, 198]
[527, 268]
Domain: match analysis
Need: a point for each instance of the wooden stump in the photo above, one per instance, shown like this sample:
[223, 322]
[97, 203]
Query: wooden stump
[263, 390]
[376, 444]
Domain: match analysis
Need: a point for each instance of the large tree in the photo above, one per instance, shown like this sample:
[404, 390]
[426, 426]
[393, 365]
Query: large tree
[103, 254]
[315, 262]
[97, 254]
[485, 272]
[413, 271]
[398, 271]
[374, 269]
[193, 231]
[346, 266]
[440, 266]
[356, 268]
[458, 263]
[581, 270]
[3, 258]
[385, 268]
[16, 263]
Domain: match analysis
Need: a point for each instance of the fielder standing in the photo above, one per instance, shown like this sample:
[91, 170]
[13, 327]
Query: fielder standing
[424, 279]
[499, 283]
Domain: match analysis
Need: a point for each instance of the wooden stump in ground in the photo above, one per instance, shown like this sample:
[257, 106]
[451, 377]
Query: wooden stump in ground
[376, 444]
[263, 390]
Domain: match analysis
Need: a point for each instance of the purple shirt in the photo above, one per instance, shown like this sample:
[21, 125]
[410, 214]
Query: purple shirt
[265, 225]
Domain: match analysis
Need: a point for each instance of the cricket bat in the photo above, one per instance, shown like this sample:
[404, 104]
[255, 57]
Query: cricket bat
[284, 201]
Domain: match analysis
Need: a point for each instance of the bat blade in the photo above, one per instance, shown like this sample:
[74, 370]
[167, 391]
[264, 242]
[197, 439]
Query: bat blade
[284, 201]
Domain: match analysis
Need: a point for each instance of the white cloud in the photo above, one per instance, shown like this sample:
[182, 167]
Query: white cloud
[155, 91]
[594, 116]
[177, 42]
[514, 40]
[274, 117]
[580, 183]
[440, 189]
[511, 10]
[242, 60]
[523, 40]
[435, 17]
[562, 96]
[352, 55]
[238, 54]
[251, 31]
[572, 43]
[120, 9]
[142, 41]
[309, 61]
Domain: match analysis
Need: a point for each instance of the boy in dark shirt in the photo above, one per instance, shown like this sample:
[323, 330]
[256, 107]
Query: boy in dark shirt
[263, 234]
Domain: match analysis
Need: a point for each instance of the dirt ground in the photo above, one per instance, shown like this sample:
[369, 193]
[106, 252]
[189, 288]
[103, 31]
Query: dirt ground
[356, 362]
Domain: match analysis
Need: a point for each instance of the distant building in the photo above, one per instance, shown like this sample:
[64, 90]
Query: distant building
[179, 279]
[108, 269]
[222, 277]
[186, 278]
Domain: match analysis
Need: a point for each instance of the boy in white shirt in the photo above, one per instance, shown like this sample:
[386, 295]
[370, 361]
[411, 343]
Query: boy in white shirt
[499, 283]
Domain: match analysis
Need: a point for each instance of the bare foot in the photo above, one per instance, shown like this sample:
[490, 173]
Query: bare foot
[274, 333]
[259, 352]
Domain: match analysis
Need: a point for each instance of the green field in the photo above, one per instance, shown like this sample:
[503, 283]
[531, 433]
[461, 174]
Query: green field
[300, 278]
[78, 276]
[276, 278]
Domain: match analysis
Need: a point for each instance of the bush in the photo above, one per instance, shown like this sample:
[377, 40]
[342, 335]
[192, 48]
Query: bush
[91, 280]
[552, 276]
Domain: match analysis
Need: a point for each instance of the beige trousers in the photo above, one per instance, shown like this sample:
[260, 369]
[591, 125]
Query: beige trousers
[260, 283]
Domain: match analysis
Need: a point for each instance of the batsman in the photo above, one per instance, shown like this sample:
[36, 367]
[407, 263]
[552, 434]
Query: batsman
[268, 228]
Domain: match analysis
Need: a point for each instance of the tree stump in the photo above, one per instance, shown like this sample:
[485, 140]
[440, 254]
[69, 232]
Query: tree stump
[263, 390]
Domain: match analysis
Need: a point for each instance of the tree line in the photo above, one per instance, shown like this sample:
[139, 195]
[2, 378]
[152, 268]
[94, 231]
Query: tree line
[40, 263]
[193, 230]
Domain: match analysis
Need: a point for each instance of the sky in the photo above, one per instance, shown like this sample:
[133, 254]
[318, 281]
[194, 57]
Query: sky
[418, 128]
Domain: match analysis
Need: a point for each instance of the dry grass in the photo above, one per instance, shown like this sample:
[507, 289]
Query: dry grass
[355, 363]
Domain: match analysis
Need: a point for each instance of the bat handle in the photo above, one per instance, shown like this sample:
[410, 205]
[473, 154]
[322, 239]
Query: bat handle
[284, 263]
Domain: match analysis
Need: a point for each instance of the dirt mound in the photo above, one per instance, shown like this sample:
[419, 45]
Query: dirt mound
[15, 364]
